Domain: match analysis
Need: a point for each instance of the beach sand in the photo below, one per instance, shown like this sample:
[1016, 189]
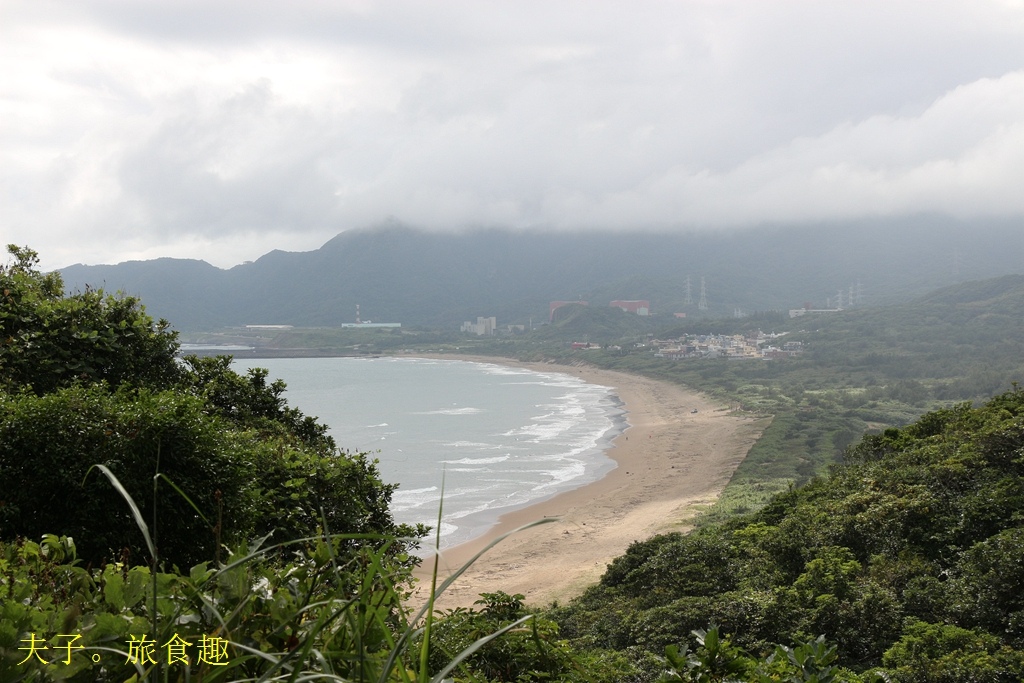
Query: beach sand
[670, 461]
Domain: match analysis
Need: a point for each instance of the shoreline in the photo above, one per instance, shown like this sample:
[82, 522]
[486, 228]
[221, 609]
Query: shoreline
[482, 522]
[669, 460]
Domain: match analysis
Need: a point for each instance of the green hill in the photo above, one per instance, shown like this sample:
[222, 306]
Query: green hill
[906, 557]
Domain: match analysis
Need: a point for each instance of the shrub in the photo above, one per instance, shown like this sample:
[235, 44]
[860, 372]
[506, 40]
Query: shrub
[49, 340]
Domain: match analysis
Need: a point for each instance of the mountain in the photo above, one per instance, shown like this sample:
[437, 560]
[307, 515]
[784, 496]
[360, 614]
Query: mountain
[397, 273]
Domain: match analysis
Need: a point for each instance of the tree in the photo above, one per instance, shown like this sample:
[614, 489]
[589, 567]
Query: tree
[50, 340]
[211, 455]
[49, 443]
[249, 401]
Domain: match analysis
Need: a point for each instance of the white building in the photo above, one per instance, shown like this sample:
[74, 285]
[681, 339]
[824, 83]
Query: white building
[482, 326]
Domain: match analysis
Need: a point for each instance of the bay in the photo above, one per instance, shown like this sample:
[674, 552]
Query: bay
[496, 437]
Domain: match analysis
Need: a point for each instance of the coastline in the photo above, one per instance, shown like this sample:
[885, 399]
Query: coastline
[669, 461]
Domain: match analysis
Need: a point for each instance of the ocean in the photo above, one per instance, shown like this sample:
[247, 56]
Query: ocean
[496, 437]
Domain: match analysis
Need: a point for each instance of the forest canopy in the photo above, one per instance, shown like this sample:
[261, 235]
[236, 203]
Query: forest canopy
[908, 556]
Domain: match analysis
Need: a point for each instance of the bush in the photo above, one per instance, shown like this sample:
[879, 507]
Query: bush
[943, 653]
[88, 379]
[49, 340]
[49, 443]
[528, 651]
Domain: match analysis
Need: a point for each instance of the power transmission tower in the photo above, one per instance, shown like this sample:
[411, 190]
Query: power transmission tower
[703, 303]
[689, 299]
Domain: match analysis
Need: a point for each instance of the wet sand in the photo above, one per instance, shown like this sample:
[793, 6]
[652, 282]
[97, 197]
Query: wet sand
[670, 461]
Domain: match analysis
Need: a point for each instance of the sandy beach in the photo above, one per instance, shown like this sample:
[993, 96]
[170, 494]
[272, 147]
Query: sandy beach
[670, 461]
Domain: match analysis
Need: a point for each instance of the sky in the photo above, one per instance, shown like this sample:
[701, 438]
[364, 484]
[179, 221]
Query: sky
[221, 130]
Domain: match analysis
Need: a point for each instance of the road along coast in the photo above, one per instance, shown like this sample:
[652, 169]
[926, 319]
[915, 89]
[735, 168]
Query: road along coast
[671, 461]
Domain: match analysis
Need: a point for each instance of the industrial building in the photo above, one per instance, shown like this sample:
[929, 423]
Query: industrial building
[641, 307]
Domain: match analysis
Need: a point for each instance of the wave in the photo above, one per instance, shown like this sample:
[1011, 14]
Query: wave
[450, 411]
[512, 445]
[491, 369]
[412, 492]
[476, 461]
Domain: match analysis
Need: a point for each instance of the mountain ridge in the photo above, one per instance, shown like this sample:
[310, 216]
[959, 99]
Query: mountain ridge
[398, 273]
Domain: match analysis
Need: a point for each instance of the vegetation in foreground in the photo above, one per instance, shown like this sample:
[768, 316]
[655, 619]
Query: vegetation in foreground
[906, 557]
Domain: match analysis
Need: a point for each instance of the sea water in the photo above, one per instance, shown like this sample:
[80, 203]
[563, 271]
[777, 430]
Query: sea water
[495, 437]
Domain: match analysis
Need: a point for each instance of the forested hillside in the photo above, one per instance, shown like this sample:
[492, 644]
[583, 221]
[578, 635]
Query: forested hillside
[908, 557]
[400, 274]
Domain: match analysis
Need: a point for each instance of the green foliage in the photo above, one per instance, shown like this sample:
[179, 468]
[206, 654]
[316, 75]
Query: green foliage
[944, 653]
[313, 613]
[249, 401]
[299, 492]
[48, 443]
[717, 659]
[923, 525]
[699, 564]
[987, 588]
[49, 340]
[320, 613]
[529, 651]
[215, 456]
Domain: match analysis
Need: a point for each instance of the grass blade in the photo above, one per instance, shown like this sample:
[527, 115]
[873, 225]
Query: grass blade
[139, 522]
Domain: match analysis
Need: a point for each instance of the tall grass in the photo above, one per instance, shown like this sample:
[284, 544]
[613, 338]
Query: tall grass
[326, 607]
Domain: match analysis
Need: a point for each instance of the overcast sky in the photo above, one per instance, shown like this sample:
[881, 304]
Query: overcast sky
[221, 130]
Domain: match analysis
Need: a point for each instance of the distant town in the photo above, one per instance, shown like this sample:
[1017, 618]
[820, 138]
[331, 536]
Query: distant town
[732, 346]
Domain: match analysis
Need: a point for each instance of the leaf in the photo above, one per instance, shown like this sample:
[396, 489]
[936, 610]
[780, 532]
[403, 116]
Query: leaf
[135, 586]
[113, 588]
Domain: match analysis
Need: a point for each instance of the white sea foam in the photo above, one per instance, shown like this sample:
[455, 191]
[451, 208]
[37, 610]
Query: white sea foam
[477, 461]
[570, 471]
[471, 444]
[491, 369]
[450, 411]
[521, 437]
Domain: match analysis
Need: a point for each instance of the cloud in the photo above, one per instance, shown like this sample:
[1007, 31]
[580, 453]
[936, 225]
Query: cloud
[213, 129]
[962, 156]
